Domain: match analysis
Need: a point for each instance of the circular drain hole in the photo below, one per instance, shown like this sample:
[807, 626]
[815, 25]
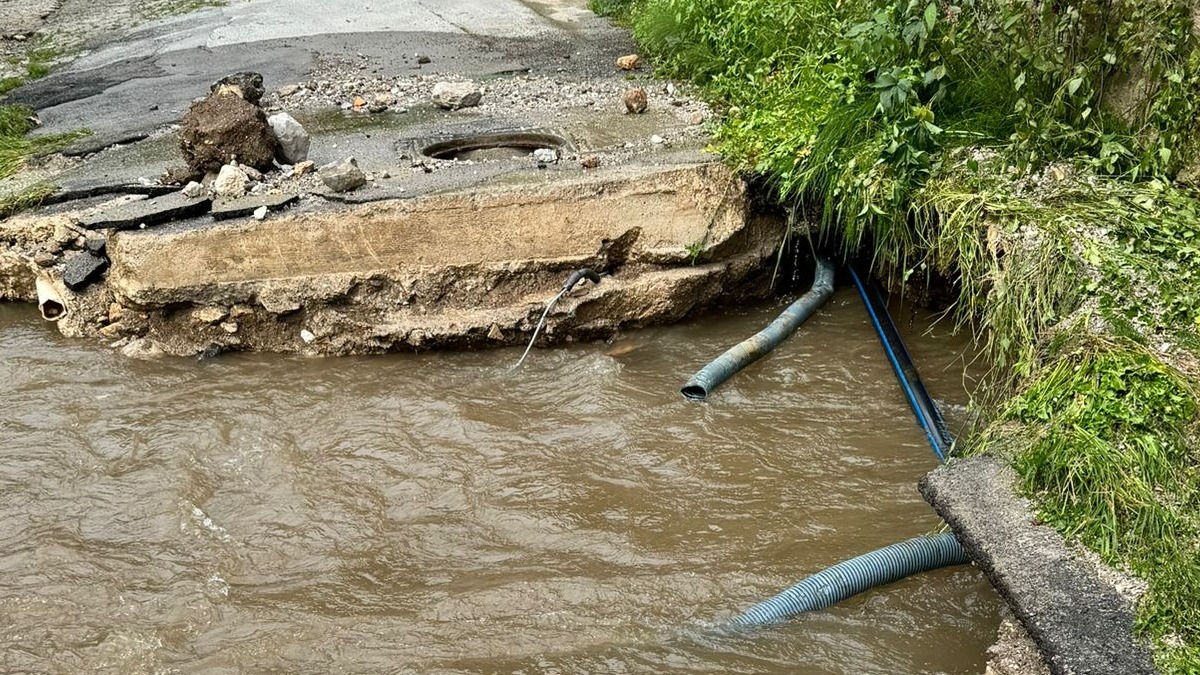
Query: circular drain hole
[499, 146]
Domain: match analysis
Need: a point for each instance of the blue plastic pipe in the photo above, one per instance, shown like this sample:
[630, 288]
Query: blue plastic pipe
[922, 404]
[744, 353]
[856, 575]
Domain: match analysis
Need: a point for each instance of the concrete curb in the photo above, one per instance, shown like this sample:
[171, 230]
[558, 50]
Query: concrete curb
[1079, 622]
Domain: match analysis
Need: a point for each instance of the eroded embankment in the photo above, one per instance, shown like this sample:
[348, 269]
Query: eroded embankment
[460, 269]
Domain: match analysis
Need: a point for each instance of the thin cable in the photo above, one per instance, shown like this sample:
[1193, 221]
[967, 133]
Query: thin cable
[541, 323]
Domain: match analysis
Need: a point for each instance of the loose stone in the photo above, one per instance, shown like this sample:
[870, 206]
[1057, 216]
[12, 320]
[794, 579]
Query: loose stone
[230, 182]
[629, 62]
[635, 101]
[456, 95]
[343, 176]
[294, 140]
[193, 190]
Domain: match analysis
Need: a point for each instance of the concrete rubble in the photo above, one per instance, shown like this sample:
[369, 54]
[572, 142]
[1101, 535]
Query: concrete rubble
[293, 140]
[456, 95]
[343, 176]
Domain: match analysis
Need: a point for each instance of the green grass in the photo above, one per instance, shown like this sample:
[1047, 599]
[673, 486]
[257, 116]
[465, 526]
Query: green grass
[40, 60]
[26, 199]
[38, 64]
[16, 148]
[614, 8]
[978, 147]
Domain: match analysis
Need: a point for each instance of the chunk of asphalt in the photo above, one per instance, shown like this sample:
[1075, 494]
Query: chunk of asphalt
[96, 142]
[223, 209]
[86, 189]
[83, 269]
[147, 212]
[1079, 622]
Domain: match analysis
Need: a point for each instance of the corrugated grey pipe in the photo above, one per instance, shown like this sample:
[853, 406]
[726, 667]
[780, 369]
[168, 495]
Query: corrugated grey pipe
[845, 579]
[743, 354]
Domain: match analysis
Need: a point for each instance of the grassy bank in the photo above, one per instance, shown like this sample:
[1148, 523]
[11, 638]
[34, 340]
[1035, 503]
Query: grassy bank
[1039, 157]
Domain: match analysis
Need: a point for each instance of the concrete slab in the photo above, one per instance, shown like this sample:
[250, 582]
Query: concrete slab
[225, 209]
[566, 220]
[147, 212]
[1080, 623]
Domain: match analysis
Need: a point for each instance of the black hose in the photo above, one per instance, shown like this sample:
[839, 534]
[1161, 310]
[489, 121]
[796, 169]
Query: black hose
[578, 276]
[743, 354]
[922, 404]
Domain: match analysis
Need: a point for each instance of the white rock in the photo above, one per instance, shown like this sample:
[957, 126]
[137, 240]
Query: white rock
[343, 176]
[657, 140]
[293, 140]
[307, 336]
[230, 182]
[455, 95]
[193, 190]
[252, 173]
[260, 213]
[547, 155]
[142, 348]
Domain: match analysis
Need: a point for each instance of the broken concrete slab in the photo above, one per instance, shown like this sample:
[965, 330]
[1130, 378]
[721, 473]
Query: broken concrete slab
[676, 208]
[133, 215]
[83, 269]
[224, 209]
[463, 269]
[1080, 622]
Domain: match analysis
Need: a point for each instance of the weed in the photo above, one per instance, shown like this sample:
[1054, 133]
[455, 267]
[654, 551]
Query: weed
[26, 199]
[16, 147]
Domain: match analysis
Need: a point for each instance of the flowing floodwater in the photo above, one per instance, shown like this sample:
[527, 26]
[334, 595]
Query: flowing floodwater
[442, 514]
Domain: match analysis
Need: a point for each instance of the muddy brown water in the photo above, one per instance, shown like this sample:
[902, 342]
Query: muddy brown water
[438, 513]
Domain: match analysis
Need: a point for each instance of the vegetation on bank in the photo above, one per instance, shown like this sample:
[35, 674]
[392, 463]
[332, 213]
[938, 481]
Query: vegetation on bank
[1043, 158]
[36, 63]
[16, 147]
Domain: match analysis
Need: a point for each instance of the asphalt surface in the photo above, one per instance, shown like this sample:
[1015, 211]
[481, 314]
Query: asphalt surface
[145, 80]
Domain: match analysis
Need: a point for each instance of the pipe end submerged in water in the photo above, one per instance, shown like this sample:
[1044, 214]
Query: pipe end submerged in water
[851, 577]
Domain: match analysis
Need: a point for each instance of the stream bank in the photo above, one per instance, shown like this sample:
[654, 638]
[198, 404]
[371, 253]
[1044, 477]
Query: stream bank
[1039, 160]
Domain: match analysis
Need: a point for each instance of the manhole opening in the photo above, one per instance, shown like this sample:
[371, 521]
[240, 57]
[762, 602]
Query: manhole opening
[497, 146]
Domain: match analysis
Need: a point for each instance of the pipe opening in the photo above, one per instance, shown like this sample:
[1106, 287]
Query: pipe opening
[494, 146]
[50, 303]
[52, 311]
[694, 392]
